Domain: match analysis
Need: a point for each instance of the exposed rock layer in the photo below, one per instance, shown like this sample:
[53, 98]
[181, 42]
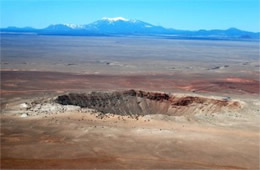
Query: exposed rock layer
[133, 102]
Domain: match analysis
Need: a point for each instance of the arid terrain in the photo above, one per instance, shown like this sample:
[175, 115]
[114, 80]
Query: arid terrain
[129, 102]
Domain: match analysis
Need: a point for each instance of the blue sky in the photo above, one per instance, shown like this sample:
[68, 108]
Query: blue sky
[178, 14]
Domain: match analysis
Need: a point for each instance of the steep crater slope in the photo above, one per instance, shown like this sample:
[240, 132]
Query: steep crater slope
[133, 102]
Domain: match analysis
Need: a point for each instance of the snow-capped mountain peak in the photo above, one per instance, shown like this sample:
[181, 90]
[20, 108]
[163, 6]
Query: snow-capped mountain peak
[74, 26]
[115, 19]
[122, 26]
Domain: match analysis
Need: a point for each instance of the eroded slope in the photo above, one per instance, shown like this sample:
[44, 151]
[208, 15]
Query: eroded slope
[133, 102]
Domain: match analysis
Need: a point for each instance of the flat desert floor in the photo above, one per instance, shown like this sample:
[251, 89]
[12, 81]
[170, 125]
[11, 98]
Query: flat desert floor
[194, 104]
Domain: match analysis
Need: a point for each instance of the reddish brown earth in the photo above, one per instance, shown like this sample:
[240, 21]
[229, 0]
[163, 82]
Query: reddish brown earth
[31, 82]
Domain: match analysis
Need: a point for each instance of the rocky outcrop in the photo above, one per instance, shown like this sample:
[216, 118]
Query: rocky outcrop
[136, 102]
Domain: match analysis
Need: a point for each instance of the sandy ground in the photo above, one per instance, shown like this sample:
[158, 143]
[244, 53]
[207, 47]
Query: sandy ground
[77, 140]
[83, 140]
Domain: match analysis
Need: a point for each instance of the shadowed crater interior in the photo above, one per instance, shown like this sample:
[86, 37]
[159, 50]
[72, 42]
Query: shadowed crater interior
[136, 102]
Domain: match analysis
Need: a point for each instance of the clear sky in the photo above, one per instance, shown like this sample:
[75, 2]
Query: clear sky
[178, 14]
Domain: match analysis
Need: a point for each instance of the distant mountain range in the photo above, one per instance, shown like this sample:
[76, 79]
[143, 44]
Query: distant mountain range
[122, 26]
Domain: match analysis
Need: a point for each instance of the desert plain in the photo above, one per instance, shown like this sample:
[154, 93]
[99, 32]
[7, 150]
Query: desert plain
[71, 102]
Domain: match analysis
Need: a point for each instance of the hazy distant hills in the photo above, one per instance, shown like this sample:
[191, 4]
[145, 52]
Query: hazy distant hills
[121, 26]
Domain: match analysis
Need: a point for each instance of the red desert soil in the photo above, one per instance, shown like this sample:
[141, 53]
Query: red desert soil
[28, 82]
